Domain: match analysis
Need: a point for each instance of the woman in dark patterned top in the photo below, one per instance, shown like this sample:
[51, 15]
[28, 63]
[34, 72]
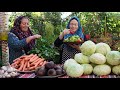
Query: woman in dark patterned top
[73, 28]
[20, 38]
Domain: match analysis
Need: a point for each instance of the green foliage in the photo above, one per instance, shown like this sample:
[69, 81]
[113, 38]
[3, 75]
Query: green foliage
[43, 49]
[50, 24]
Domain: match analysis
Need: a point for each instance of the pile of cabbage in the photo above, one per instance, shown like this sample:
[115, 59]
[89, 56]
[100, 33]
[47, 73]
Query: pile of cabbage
[96, 59]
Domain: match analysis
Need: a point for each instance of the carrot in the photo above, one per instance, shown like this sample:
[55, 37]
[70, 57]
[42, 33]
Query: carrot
[40, 60]
[32, 59]
[28, 64]
[31, 65]
[22, 56]
[29, 57]
[37, 63]
[21, 66]
[41, 63]
[18, 61]
[26, 69]
[32, 68]
[25, 65]
[44, 63]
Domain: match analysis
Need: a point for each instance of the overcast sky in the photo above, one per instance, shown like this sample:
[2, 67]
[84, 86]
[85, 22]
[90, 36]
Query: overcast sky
[65, 14]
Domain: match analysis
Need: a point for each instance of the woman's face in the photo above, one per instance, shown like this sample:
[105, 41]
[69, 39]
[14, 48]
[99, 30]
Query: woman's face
[73, 25]
[24, 24]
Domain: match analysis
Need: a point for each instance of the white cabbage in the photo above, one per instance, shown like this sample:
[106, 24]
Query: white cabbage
[102, 48]
[87, 69]
[102, 70]
[80, 58]
[74, 70]
[97, 58]
[68, 62]
[116, 70]
[113, 57]
[88, 48]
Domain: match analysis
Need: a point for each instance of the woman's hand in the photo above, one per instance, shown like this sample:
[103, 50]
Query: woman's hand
[66, 31]
[28, 39]
[77, 47]
[37, 36]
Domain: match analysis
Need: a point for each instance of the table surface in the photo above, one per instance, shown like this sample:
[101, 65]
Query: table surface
[32, 75]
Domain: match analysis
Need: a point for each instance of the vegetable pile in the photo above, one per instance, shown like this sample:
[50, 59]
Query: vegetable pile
[49, 69]
[96, 59]
[28, 62]
[74, 38]
[8, 72]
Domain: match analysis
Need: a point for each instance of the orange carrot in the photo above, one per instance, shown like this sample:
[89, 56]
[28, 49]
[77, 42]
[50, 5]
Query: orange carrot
[22, 56]
[26, 69]
[36, 64]
[25, 65]
[29, 57]
[35, 61]
[40, 60]
[44, 63]
[16, 60]
[33, 58]
[21, 66]
[32, 68]
[28, 64]
[41, 63]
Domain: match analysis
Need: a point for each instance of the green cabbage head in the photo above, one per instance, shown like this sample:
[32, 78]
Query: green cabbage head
[74, 70]
[87, 69]
[102, 48]
[68, 62]
[116, 69]
[102, 70]
[88, 48]
[80, 58]
[97, 58]
[113, 57]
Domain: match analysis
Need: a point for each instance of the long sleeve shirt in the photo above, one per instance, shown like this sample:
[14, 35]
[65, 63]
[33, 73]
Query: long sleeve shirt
[15, 46]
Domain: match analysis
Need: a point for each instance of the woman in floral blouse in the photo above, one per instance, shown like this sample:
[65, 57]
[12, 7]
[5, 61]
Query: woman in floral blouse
[20, 38]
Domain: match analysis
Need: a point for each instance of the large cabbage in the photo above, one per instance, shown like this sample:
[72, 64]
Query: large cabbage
[88, 48]
[74, 70]
[102, 48]
[68, 62]
[87, 69]
[80, 58]
[116, 69]
[97, 58]
[102, 70]
[113, 57]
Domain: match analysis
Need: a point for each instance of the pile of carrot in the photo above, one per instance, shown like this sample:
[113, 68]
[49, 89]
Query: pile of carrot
[28, 62]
